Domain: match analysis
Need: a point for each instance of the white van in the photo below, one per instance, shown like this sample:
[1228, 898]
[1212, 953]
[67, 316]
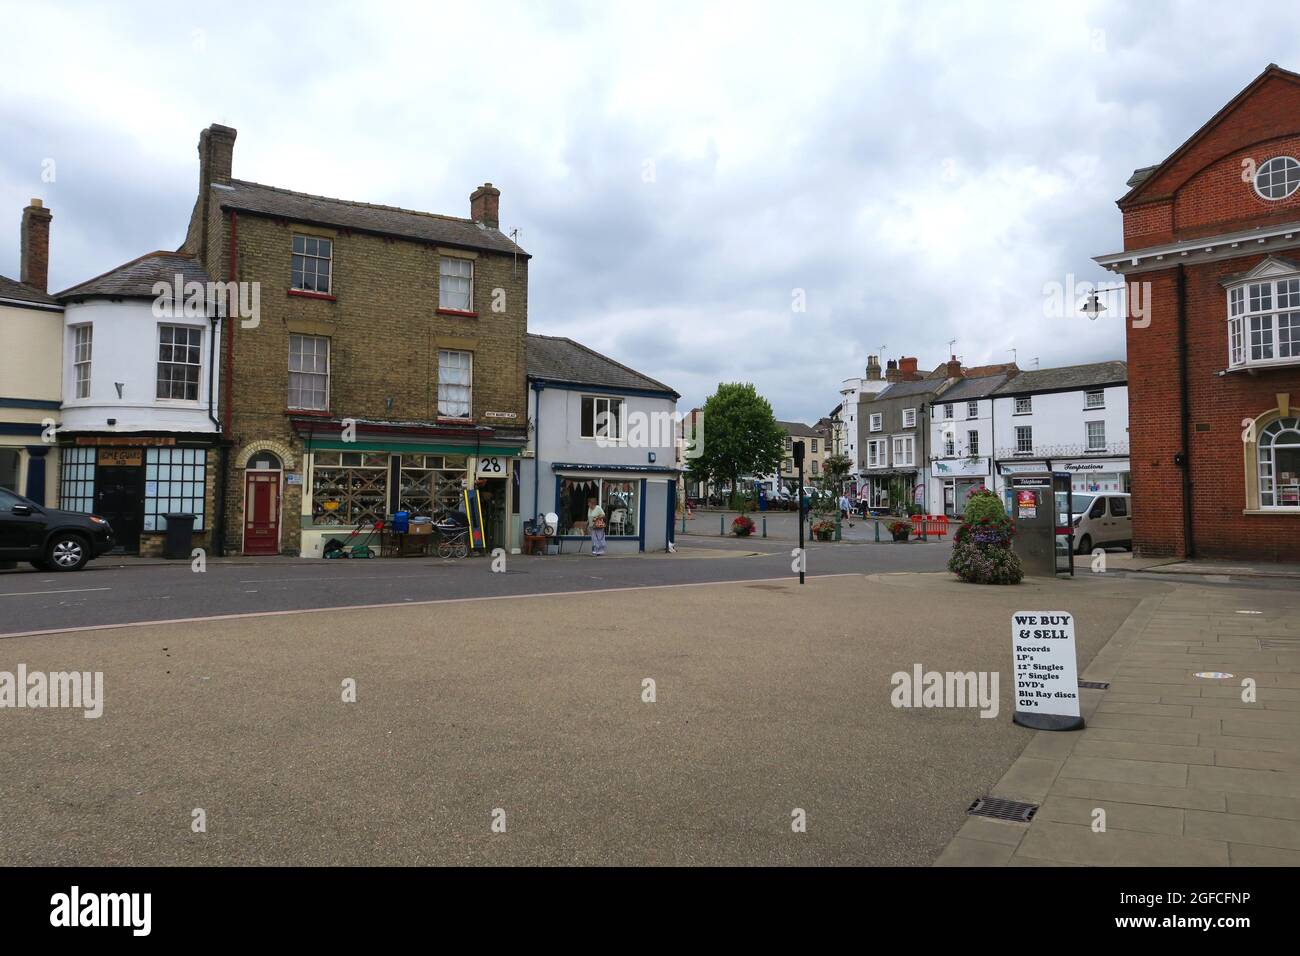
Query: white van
[1099, 520]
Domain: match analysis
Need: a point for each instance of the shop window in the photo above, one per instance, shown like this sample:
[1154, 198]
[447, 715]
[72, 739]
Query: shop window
[1278, 451]
[349, 488]
[175, 480]
[431, 485]
[620, 499]
[180, 357]
[309, 372]
[313, 261]
[77, 480]
[455, 381]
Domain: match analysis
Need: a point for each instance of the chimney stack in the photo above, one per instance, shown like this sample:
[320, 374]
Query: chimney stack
[954, 367]
[907, 369]
[485, 205]
[216, 155]
[892, 374]
[34, 268]
[873, 368]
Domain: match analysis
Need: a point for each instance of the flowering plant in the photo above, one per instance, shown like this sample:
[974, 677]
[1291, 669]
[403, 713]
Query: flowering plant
[900, 527]
[742, 526]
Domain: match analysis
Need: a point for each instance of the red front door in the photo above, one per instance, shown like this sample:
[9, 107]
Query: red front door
[262, 512]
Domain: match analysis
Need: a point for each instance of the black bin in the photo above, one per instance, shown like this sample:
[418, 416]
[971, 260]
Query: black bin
[180, 536]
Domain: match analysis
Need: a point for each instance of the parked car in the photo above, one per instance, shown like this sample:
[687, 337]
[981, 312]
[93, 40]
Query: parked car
[50, 539]
[1099, 520]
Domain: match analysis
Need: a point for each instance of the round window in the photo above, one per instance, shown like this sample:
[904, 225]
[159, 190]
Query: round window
[1278, 178]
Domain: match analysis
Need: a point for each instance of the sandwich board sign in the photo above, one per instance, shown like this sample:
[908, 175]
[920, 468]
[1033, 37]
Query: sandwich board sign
[1046, 670]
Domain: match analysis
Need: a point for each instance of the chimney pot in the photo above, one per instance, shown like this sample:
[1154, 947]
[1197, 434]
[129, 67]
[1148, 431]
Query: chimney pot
[485, 205]
[34, 268]
[954, 367]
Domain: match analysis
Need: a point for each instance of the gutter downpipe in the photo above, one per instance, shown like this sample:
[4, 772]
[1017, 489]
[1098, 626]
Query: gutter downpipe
[537, 445]
[226, 383]
[1189, 548]
[219, 530]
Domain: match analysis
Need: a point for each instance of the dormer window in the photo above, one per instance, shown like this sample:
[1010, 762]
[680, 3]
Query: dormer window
[1278, 178]
[1264, 317]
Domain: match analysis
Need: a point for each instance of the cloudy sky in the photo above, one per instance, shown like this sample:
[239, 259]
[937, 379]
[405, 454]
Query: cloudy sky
[683, 175]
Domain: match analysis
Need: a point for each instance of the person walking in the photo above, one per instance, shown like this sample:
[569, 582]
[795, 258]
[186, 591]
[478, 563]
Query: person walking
[596, 525]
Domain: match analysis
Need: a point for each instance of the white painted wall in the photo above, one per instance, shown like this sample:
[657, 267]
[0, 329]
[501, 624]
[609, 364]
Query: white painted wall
[126, 350]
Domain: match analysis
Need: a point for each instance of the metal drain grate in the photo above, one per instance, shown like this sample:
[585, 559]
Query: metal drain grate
[1095, 684]
[999, 809]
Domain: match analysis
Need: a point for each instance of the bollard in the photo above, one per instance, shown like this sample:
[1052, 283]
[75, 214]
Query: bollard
[683, 522]
[837, 526]
[765, 526]
[876, 522]
[722, 517]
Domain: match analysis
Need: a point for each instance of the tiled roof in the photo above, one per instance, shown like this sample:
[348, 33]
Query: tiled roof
[969, 388]
[18, 291]
[799, 429]
[385, 220]
[135, 279]
[558, 359]
[1066, 377]
[904, 389]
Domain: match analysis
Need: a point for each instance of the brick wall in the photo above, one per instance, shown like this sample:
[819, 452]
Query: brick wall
[384, 331]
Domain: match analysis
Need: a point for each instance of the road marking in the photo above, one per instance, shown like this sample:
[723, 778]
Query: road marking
[409, 603]
[64, 591]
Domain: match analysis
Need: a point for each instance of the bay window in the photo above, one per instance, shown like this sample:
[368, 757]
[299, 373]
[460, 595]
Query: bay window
[1264, 323]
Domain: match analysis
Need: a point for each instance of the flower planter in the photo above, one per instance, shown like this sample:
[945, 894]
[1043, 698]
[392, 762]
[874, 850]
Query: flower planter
[901, 535]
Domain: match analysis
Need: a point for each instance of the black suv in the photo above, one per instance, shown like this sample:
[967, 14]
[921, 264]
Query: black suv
[52, 540]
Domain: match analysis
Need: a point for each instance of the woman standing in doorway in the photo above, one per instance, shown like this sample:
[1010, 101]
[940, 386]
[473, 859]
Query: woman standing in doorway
[596, 525]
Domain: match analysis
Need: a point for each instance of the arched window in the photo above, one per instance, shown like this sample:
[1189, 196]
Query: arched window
[1279, 464]
[264, 461]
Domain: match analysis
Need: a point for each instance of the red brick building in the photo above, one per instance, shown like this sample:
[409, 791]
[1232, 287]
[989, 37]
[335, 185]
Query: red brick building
[1212, 265]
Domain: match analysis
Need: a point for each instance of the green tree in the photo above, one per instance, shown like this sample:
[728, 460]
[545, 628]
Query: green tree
[741, 436]
[836, 470]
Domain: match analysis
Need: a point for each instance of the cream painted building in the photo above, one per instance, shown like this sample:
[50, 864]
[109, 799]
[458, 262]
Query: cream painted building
[31, 368]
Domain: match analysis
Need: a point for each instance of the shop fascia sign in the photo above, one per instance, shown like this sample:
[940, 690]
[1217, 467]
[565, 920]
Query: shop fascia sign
[1087, 466]
[959, 466]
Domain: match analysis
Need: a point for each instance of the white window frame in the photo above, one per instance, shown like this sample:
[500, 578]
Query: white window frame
[446, 280]
[877, 453]
[159, 363]
[904, 450]
[1280, 170]
[1266, 461]
[972, 443]
[876, 422]
[1024, 405]
[309, 373]
[610, 402]
[1025, 447]
[909, 418]
[298, 271]
[973, 409]
[469, 388]
[1095, 393]
[947, 410]
[1088, 435]
[949, 444]
[82, 363]
[1263, 321]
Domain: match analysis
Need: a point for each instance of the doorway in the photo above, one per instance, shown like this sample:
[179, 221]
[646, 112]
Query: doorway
[119, 499]
[262, 506]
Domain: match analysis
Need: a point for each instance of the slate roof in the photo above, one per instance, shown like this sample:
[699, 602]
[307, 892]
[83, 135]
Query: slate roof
[135, 279]
[20, 292]
[904, 389]
[799, 430]
[554, 358]
[1067, 377]
[272, 201]
[970, 388]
